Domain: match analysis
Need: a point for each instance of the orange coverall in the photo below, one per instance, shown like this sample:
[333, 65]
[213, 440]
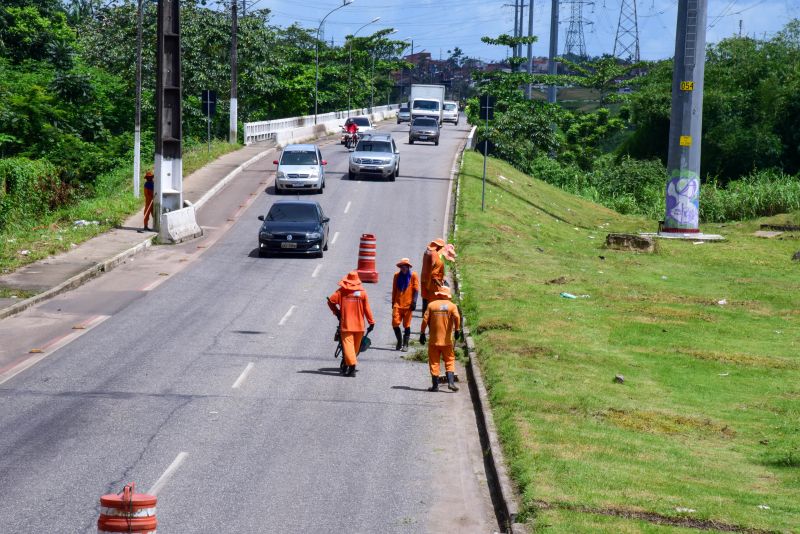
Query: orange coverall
[353, 306]
[148, 201]
[432, 273]
[401, 302]
[443, 318]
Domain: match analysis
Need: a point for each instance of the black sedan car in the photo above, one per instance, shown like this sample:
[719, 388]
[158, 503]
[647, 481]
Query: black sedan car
[294, 227]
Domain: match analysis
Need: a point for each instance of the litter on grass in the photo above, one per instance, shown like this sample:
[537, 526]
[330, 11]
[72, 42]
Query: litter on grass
[568, 296]
[682, 510]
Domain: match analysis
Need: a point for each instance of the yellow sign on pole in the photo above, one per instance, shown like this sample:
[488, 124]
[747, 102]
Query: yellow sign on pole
[687, 86]
[686, 140]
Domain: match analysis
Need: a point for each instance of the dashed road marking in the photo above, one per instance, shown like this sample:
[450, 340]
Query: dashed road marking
[164, 478]
[335, 237]
[316, 271]
[287, 315]
[242, 376]
[347, 208]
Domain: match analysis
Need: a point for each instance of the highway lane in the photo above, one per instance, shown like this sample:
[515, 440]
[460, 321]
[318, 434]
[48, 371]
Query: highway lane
[293, 446]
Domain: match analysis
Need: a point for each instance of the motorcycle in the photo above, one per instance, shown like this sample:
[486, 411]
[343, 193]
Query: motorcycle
[348, 139]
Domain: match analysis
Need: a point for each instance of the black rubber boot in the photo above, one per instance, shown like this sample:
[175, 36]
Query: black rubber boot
[406, 338]
[451, 381]
[351, 371]
[399, 339]
[424, 305]
[434, 383]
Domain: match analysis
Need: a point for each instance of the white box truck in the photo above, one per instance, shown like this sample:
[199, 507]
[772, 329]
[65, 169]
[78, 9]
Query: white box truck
[426, 101]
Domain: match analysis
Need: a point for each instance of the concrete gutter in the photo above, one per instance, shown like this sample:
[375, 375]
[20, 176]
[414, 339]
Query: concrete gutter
[99, 268]
[504, 495]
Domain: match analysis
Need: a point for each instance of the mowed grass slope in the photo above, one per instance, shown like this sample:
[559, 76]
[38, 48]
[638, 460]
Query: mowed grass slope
[707, 337]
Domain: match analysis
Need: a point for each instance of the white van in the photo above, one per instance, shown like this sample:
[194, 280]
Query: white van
[450, 113]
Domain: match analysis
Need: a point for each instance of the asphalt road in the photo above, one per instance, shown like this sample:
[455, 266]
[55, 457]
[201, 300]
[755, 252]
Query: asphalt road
[219, 364]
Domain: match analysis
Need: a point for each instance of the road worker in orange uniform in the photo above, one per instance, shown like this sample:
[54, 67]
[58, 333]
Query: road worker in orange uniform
[350, 304]
[432, 271]
[443, 319]
[405, 288]
[149, 189]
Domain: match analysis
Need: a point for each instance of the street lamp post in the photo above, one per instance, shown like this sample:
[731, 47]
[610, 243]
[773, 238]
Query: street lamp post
[316, 56]
[350, 64]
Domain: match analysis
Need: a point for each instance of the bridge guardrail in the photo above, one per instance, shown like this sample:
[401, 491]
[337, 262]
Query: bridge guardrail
[266, 130]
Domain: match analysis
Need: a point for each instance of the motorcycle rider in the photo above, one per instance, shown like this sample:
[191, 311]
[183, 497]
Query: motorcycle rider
[351, 128]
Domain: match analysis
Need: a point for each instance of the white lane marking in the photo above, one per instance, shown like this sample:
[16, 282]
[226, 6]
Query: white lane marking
[49, 348]
[242, 376]
[286, 317]
[347, 208]
[151, 285]
[335, 237]
[316, 271]
[164, 478]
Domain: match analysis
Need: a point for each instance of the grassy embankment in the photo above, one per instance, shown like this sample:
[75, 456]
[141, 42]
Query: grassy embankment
[707, 337]
[111, 205]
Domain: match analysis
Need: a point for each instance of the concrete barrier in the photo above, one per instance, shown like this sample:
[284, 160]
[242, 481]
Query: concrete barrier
[302, 129]
[179, 225]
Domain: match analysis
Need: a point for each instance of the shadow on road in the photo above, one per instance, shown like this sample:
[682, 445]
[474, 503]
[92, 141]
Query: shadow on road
[329, 371]
[407, 388]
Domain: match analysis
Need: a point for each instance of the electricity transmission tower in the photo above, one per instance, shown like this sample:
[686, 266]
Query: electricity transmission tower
[626, 44]
[576, 43]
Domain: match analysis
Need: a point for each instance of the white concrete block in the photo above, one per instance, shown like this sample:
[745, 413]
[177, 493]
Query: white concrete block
[179, 225]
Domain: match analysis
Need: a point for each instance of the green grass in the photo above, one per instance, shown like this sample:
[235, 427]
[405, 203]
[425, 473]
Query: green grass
[113, 203]
[708, 417]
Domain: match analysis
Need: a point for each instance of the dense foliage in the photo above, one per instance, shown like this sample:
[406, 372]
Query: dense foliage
[616, 153]
[67, 84]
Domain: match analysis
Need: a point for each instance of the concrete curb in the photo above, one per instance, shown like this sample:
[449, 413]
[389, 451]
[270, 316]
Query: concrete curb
[78, 280]
[99, 268]
[505, 495]
[230, 176]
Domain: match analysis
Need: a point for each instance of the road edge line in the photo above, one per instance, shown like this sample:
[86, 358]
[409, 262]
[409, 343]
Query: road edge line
[79, 279]
[499, 481]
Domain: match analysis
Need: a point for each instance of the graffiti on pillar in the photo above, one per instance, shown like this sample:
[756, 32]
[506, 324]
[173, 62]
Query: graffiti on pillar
[683, 201]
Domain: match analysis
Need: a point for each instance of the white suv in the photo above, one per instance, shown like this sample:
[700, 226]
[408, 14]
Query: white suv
[450, 112]
[375, 155]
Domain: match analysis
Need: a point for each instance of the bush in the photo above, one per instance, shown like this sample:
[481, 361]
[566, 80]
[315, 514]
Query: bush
[760, 194]
[29, 188]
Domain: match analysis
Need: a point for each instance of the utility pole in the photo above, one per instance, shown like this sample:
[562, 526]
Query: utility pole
[516, 25]
[530, 48]
[686, 120]
[551, 64]
[233, 128]
[169, 133]
[521, 23]
[137, 121]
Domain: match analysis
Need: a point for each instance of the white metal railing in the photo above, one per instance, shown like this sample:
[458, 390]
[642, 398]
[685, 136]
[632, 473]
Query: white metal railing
[264, 130]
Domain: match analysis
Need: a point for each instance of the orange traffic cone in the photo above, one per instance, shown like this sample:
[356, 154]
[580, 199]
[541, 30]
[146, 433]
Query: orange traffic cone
[366, 259]
[130, 512]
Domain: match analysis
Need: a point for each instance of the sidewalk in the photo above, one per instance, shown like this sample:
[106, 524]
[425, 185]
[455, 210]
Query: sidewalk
[56, 274]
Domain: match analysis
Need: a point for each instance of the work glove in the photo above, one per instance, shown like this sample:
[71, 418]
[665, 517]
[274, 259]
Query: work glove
[370, 328]
[458, 334]
[422, 338]
[414, 306]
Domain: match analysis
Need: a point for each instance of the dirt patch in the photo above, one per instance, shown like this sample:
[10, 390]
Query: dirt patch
[738, 358]
[665, 423]
[651, 517]
[490, 325]
[558, 281]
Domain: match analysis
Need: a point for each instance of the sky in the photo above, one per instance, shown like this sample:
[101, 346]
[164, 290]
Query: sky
[437, 26]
